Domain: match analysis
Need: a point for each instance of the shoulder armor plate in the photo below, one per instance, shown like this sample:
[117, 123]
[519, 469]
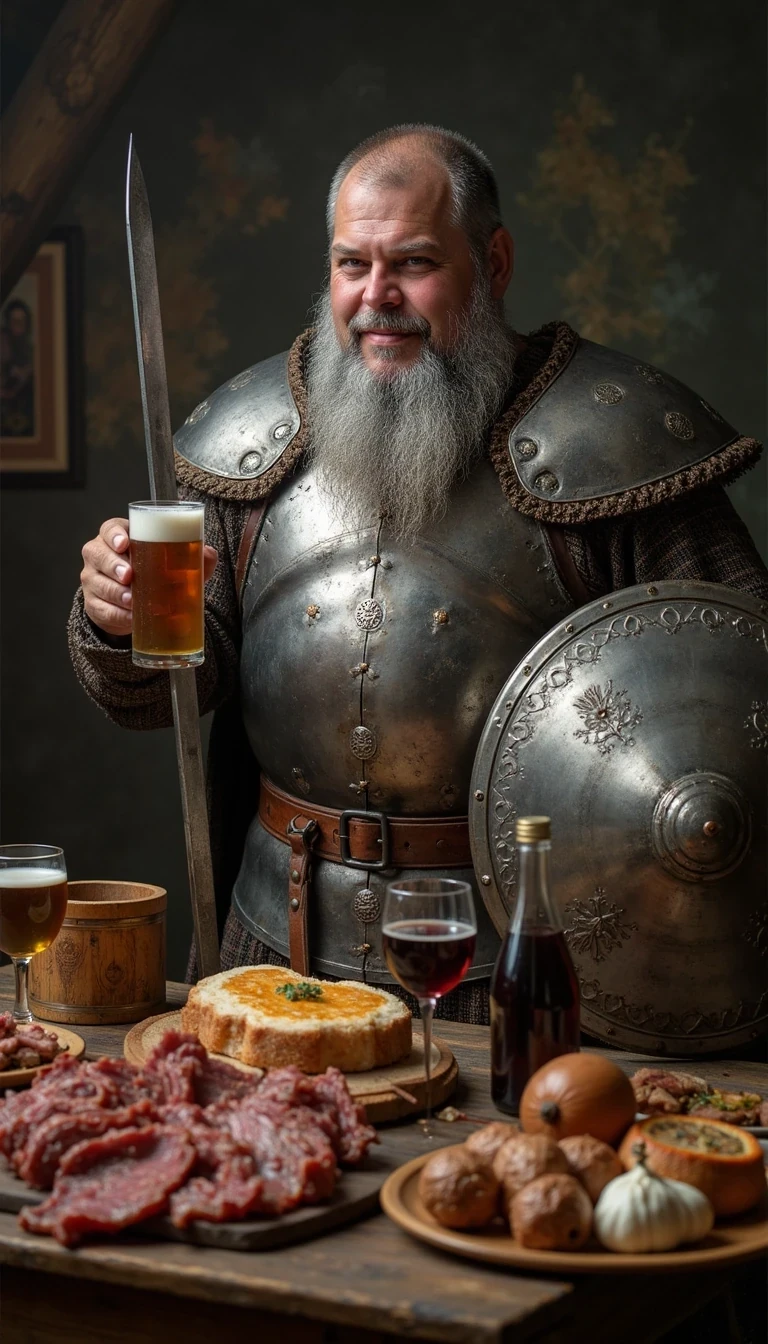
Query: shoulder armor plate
[609, 423]
[241, 430]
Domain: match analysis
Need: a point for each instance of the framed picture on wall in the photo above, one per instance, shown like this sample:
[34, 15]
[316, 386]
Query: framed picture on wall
[41, 369]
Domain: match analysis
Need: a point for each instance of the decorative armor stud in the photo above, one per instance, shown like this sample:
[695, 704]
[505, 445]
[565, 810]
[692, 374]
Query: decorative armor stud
[546, 482]
[366, 905]
[250, 464]
[526, 449]
[440, 617]
[242, 379]
[679, 425]
[198, 413]
[313, 611]
[609, 393]
[281, 431]
[650, 374]
[362, 743]
[369, 614]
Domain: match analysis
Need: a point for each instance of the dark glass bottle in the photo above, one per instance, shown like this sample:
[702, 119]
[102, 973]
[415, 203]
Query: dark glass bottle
[534, 990]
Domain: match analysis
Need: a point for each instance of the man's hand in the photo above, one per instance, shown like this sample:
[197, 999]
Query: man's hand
[107, 574]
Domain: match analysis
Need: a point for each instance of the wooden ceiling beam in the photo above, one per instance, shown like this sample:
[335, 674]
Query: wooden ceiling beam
[60, 109]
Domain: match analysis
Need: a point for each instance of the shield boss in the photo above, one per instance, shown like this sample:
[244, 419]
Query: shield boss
[640, 726]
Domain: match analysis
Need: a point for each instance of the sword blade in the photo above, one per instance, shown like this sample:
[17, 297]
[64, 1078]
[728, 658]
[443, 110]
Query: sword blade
[159, 443]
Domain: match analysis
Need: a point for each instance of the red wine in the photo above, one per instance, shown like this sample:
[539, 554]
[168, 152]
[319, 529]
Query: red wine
[534, 1011]
[428, 956]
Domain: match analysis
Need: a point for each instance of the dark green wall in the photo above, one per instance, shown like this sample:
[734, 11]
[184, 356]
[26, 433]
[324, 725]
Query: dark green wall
[629, 144]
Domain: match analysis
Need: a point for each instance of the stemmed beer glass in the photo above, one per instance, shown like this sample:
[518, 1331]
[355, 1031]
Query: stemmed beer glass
[429, 932]
[33, 903]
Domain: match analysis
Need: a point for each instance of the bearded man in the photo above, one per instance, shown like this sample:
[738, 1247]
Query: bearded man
[397, 511]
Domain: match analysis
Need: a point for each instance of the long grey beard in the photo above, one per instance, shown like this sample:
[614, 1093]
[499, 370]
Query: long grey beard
[395, 444]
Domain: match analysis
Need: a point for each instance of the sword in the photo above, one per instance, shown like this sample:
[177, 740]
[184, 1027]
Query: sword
[162, 477]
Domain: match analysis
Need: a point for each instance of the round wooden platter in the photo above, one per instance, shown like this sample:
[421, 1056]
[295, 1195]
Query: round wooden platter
[728, 1242]
[69, 1041]
[375, 1089]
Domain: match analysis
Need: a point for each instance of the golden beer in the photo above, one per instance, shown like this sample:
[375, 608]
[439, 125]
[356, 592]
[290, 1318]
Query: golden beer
[33, 903]
[167, 589]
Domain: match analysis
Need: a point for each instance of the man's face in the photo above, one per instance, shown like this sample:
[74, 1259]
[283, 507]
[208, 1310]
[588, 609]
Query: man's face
[397, 253]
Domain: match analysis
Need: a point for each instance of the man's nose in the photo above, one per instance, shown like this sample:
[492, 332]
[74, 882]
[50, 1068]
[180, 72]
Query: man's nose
[381, 289]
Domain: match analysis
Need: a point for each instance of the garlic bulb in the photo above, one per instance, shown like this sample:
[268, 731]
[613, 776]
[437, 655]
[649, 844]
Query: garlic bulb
[643, 1212]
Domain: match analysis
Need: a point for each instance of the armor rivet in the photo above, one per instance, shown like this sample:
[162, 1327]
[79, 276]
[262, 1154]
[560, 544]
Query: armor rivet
[313, 611]
[280, 431]
[295, 876]
[497, 722]
[485, 879]
[609, 393]
[440, 617]
[547, 482]
[527, 669]
[526, 448]
[611, 1031]
[479, 795]
[508, 704]
[679, 425]
[250, 464]
[295, 903]
[606, 606]
[374, 560]
[710, 828]
[387, 564]
[653, 592]
[569, 628]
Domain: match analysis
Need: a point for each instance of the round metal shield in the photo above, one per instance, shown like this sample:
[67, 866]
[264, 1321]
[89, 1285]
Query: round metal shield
[640, 726]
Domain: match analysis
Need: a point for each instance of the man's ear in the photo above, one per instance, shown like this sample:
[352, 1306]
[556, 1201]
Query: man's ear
[501, 261]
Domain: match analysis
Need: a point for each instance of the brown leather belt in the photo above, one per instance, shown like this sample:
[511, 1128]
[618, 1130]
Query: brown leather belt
[356, 837]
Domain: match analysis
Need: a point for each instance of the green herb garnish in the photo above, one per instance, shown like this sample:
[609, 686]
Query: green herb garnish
[300, 989]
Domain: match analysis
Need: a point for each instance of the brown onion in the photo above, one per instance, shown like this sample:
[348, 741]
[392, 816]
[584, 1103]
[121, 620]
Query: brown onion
[578, 1094]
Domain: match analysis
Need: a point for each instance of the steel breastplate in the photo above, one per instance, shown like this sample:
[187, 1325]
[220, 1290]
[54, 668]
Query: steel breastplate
[368, 670]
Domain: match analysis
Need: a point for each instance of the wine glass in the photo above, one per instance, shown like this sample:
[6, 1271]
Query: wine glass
[429, 930]
[33, 903]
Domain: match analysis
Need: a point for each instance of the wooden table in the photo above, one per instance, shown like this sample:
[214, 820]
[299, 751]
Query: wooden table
[365, 1284]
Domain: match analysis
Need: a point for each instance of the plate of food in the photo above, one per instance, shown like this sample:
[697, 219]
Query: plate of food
[661, 1091]
[28, 1048]
[669, 1193]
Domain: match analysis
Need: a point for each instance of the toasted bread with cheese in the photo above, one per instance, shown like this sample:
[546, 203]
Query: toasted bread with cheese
[267, 1016]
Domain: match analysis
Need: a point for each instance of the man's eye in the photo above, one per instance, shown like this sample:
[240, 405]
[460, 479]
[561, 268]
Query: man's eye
[418, 261]
[350, 262]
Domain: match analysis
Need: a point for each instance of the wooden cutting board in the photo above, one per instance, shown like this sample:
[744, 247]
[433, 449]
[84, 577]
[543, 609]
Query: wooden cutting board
[374, 1089]
[356, 1195]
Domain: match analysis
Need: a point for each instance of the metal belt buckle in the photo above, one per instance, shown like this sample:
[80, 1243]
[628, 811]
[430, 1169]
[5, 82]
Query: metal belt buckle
[385, 841]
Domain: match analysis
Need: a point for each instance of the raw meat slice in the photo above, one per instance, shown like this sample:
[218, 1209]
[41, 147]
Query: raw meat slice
[217, 1081]
[356, 1134]
[225, 1182]
[106, 1184]
[296, 1160]
[39, 1159]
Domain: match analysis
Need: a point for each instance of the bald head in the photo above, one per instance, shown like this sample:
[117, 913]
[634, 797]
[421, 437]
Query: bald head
[395, 157]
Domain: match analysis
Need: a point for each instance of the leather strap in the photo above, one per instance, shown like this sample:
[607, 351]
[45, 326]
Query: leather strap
[566, 566]
[416, 842]
[247, 542]
[300, 832]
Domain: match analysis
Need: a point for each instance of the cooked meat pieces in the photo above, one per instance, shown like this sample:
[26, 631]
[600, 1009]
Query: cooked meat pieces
[259, 1144]
[109, 1183]
[39, 1159]
[25, 1045]
[660, 1091]
[736, 1108]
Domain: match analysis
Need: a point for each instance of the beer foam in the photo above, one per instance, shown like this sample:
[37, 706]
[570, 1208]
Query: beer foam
[166, 524]
[31, 877]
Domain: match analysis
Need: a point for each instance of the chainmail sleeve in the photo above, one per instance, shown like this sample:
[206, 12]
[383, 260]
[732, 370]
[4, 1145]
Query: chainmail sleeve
[698, 537]
[136, 697]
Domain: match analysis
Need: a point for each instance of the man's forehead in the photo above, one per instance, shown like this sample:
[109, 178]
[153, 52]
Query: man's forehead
[414, 194]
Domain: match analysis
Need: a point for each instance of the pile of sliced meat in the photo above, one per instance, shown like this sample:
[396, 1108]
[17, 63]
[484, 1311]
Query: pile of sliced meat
[186, 1136]
[668, 1092]
[25, 1045]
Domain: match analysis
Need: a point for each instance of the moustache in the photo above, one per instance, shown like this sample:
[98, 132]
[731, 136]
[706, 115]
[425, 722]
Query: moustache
[399, 322]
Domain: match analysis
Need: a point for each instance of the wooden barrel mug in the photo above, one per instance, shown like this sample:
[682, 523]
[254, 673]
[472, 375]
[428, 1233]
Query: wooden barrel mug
[108, 962]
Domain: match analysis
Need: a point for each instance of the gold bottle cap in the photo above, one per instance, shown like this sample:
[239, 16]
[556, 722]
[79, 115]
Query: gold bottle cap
[528, 830]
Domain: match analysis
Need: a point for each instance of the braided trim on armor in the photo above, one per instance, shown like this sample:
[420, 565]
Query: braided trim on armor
[253, 489]
[720, 468]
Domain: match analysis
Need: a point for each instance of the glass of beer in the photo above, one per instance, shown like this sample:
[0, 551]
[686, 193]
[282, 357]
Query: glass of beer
[33, 903]
[167, 563]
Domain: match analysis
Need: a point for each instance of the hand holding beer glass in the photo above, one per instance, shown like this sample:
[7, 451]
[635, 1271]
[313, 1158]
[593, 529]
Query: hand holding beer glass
[33, 903]
[167, 563]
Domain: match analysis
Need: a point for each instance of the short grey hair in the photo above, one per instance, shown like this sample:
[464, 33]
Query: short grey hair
[475, 192]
